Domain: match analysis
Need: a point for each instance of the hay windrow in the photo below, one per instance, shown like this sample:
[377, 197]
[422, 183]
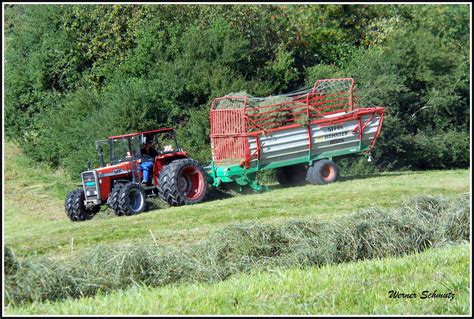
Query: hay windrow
[420, 223]
[455, 222]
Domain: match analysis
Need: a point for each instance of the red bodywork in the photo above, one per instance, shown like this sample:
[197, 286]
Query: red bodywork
[105, 182]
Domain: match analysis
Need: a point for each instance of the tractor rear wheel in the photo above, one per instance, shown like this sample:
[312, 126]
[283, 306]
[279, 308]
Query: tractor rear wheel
[182, 182]
[131, 200]
[112, 201]
[75, 208]
[322, 172]
[291, 175]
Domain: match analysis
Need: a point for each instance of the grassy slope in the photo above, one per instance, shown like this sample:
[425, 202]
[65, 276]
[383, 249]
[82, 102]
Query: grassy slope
[352, 288]
[35, 220]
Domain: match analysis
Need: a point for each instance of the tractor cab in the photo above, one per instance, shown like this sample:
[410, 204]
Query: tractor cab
[121, 148]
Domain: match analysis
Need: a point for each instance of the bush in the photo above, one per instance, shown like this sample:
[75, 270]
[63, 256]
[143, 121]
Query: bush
[356, 166]
[80, 73]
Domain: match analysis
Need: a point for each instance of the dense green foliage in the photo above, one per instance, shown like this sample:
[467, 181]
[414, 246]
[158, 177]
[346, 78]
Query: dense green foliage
[77, 73]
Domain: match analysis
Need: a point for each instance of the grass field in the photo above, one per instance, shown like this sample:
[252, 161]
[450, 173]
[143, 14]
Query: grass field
[35, 223]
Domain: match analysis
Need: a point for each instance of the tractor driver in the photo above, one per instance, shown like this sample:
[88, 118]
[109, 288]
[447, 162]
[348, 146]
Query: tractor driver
[148, 157]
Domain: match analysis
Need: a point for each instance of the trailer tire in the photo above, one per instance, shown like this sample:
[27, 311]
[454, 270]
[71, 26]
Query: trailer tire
[182, 182]
[322, 172]
[291, 175]
[113, 199]
[131, 200]
[75, 209]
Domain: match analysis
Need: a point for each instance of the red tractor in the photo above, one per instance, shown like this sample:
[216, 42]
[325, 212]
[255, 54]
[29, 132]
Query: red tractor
[175, 178]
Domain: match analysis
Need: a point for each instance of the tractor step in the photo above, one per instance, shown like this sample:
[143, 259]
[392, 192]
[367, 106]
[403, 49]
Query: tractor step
[151, 191]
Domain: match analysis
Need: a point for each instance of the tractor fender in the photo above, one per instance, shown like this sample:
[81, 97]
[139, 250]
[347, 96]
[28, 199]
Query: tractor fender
[162, 160]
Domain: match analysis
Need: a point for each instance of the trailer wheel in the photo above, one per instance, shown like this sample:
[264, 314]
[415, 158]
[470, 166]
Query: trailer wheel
[291, 175]
[131, 200]
[323, 172]
[75, 209]
[182, 182]
[113, 199]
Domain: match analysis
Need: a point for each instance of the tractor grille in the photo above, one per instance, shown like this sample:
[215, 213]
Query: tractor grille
[91, 187]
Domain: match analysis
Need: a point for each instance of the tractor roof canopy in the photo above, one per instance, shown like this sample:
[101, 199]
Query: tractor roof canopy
[161, 130]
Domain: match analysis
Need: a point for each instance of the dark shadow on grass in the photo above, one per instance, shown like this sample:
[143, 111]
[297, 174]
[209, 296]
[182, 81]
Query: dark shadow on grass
[217, 194]
[279, 186]
[154, 203]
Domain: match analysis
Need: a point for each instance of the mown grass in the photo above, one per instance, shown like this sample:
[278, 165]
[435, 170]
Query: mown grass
[35, 222]
[419, 224]
[350, 288]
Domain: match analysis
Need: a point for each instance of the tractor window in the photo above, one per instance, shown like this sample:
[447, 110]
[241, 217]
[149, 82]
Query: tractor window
[166, 142]
[103, 151]
[135, 144]
[124, 149]
[119, 149]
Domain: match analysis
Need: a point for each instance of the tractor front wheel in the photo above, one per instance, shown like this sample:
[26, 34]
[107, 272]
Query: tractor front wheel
[182, 182]
[322, 172]
[130, 200]
[113, 199]
[75, 208]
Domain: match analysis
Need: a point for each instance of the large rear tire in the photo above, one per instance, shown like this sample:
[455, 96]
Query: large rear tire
[131, 200]
[323, 172]
[75, 208]
[182, 182]
[291, 175]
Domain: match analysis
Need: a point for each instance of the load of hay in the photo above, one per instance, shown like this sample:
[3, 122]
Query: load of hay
[277, 113]
[420, 223]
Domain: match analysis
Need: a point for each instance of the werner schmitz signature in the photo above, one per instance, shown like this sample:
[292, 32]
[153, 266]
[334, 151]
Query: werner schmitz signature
[425, 294]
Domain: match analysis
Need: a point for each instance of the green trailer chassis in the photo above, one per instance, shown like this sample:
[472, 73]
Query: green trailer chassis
[246, 177]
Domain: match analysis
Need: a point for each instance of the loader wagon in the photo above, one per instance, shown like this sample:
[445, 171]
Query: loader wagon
[298, 137]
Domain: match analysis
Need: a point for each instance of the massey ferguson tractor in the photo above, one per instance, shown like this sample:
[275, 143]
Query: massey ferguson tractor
[297, 134]
[176, 178]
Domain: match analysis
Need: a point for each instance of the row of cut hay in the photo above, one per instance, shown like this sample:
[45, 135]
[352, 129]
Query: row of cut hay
[420, 223]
